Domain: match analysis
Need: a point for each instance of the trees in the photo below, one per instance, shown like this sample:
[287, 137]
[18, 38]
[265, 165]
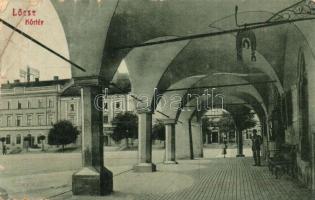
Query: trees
[2, 140]
[244, 118]
[126, 126]
[62, 133]
[158, 131]
[206, 124]
[226, 124]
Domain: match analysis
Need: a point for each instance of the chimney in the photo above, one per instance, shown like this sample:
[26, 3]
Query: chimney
[56, 78]
[36, 80]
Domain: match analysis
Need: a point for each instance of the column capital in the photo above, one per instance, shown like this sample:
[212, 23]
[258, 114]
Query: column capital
[168, 121]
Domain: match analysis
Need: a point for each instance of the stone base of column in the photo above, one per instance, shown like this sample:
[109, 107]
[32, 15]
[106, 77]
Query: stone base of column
[170, 162]
[145, 167]
[240, 155]
[89, 181]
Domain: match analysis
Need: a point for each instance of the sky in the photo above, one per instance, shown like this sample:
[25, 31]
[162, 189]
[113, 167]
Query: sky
[17, 52]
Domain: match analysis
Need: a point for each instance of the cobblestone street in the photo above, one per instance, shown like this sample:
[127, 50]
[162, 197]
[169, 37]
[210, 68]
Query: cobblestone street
[212, 178]
[215, 179]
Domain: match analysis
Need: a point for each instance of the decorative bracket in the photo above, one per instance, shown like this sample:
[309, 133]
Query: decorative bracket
[301, 10]
[246, 38]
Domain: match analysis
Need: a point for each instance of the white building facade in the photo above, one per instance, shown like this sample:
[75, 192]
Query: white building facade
[28, 110]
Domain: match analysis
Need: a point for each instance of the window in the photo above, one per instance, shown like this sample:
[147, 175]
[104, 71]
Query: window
[9, 120]
[18, 120]
[117, 105]
[50, 103]
[18, 139]
[105, 106]
[8, 104]
[72, 107]
[29, 120]
[71, 119]
[8, 139]
[40, 103]
[105, 119]
[29, 104]
[50, 119]
[39, 141]
[19, 105]
[41, 120]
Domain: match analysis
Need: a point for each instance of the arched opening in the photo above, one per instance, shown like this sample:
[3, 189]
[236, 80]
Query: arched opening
[94, 43]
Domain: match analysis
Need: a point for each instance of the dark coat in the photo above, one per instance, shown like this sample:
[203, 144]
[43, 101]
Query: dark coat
[256, 142]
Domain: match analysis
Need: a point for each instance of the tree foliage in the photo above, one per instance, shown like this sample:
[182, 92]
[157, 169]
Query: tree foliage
[62, 133]
[126, 126]
[226, 123]
[158, 131]
[244, 118]
[205, 124]
[41, 137]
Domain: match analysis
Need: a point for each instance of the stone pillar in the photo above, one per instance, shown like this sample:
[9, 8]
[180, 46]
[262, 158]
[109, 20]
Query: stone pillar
[191, 145]
[145, 143]
[197, 140]
[170, 157]
[182, 140]
[207, 138]
[201, 140]
[93, 178]
[240, 144]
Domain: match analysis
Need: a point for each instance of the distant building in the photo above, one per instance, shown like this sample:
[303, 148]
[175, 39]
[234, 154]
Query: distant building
[29, 110]
[114, 104]
[118, 100]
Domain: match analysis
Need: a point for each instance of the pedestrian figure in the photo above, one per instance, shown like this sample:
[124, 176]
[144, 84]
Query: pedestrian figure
[224, 149]
[256, 142]
[4, 150]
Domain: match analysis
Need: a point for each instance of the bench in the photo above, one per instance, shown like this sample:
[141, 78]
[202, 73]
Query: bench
[283, 161]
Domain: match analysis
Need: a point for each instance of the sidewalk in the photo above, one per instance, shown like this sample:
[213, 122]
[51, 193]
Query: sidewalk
[211, 179]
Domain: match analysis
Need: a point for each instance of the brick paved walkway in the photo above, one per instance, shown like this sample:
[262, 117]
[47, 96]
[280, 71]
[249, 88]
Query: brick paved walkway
[212, 179]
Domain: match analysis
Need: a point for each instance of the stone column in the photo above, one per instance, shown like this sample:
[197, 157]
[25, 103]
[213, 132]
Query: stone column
[93, 178]
[169, 141]
[145, 143]
[191, 145]
[207, 138]
[201, 140]
[240, 144]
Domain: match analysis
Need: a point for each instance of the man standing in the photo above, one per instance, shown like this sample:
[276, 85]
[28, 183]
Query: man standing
[256, 142]
[4, 149]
